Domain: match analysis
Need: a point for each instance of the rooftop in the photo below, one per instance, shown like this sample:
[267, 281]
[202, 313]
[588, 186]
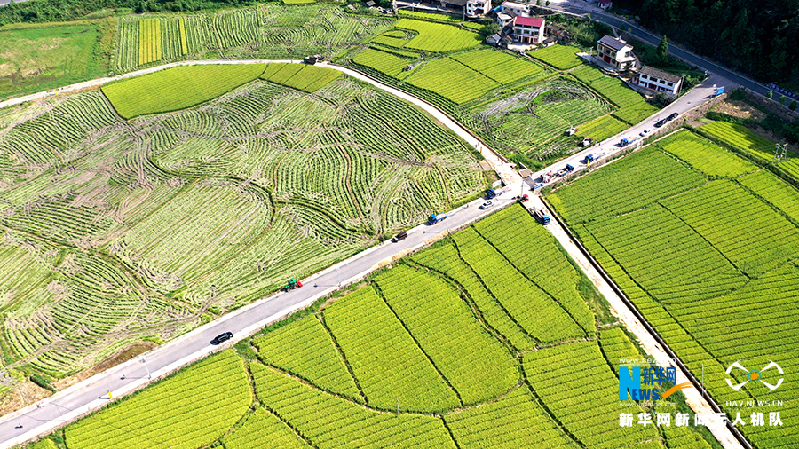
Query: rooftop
[528, 21]
[612, 42]
[660, 74]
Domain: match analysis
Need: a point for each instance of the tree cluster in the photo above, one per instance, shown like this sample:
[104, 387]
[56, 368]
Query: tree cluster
[756, 37]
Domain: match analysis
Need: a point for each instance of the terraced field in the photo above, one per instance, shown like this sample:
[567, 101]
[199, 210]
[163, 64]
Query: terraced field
[517, 104]
[269, 31]
[430, 353]
[116, 231]
[706, 246]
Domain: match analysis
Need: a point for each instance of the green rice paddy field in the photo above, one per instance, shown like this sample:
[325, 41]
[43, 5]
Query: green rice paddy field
[468, 344]
[706, 245]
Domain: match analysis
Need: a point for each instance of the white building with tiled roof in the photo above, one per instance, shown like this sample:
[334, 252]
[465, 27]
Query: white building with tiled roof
[658, 80]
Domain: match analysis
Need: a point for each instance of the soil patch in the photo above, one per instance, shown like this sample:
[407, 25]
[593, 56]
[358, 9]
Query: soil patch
[123, 355]
[21, 395]
[740, 109]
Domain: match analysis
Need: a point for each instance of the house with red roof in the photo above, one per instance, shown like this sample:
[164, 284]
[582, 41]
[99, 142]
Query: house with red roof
[605, 4]
[528, 30]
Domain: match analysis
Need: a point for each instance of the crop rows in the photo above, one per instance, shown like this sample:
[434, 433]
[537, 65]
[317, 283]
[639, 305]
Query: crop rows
[202, 403]
[713, 269]
[616, 345]
[445, 259]
[327, 173]
[437, 37]
[407, 329]
[127, 48]
[383, 62]
[562, 57]
[176, 88]
[774, 191]
[513, 421]
[307, 78]
[602, 128]
[264, 429]
[174, 38]
[52, 138]
[266, 31]
[739, 137]
[632, 106]
[387, 362]
[474, 363]
[528, 305]
[499, 66]
[236, 28]
[149, 41]
[452, 80]
[516, 235]
[316, 360]
[644, 250]
[714, 209]
[627, 185]
[575, 383]
[705, 156]
[331, 422]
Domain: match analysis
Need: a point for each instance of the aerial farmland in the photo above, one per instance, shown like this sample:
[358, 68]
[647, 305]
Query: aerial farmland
[324, 225]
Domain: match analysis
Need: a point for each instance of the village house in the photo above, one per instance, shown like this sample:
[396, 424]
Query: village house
[453, 5]
[527, 30]
[477, 8]
[616, 52]
[658, 80]
[605, 4]
[515, 9]
[504, 19]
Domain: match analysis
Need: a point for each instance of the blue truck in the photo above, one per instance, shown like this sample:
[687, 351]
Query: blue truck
[542, 216]
[433, 219]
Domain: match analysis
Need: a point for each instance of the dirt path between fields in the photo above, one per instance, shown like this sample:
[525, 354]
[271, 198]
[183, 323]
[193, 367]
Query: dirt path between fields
[646, 340]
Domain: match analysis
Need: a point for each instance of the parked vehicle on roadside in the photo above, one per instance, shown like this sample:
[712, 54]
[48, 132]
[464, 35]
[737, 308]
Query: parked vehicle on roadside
[221, 338]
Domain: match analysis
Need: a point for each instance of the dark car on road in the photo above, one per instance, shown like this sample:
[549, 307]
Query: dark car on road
[401, 236]
[660, 123]
[672, 116]
[221, 338]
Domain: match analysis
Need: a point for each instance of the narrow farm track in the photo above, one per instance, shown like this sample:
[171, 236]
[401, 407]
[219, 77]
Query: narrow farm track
[93, 393]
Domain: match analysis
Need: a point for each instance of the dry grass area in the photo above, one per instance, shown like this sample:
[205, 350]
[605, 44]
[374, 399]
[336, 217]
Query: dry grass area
[737, 108]
[121, 356]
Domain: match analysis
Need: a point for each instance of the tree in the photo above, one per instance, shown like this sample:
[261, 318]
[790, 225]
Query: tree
[491, 29]
[770, 94]
[782, 99]
[547, 2]
[663, 49]
[538, 2]
[793, 105]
